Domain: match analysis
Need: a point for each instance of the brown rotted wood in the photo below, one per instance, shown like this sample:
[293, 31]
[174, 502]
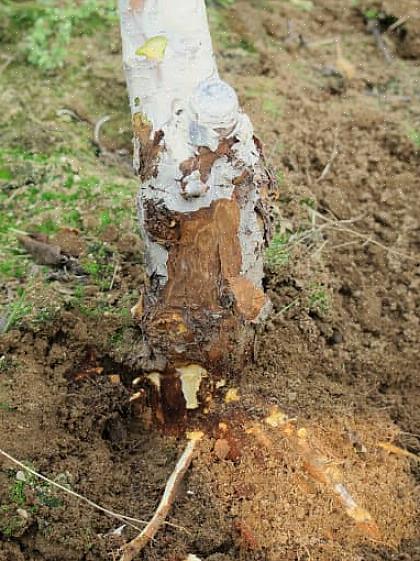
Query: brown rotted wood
[203, 313]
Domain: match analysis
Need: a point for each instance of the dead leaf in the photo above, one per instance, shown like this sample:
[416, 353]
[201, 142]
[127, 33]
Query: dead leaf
[137, 309]
[221, 448]
[345, 67]
[43, 253]
[246, 535]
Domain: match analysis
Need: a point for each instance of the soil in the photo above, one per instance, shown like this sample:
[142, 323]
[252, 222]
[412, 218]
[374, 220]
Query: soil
[340, 351]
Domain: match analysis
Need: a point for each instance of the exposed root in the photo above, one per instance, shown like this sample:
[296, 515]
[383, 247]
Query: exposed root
[96, 134]
[320, 468]
[138, 543]
[392, 449]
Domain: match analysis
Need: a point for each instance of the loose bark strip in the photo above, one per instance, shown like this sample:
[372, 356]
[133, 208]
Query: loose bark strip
[138, 543]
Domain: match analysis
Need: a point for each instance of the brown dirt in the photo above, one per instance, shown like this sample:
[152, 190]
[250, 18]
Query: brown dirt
[340, 351]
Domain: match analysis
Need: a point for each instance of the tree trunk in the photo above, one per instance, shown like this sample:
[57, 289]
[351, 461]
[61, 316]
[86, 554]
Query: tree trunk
[201, 205]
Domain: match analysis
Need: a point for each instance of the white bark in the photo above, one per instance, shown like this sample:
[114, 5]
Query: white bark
[183, 96]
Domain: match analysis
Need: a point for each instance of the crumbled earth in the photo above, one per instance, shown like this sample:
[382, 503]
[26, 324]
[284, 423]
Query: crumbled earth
[338, 108]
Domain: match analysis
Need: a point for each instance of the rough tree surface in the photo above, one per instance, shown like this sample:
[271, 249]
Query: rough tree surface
[201, 203]
[339, 350]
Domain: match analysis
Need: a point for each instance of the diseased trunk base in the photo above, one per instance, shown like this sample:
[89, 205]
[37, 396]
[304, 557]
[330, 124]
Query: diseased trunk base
[200, 325]
[185, 386]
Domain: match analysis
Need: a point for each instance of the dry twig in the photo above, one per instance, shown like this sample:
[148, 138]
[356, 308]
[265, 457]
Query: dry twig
[398, 23]
[333, 156]
[97, 132]
[376, 32]
[126, 519]
[337, 226]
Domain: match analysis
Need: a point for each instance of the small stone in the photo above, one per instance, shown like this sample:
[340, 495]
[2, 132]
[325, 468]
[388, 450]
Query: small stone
[21, 476]
[336, 338]
[23, 513]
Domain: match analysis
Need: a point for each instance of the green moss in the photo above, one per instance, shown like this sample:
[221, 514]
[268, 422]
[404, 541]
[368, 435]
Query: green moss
[277, 253]
[270, 102]
[42, 490]
[72, 218]
[105, 218]
[6, 407]
[246, 45]
[414, 136]
[308, 202]
[17, 493]
[16, 311]
[319, 299]
[224, 37]
[45, 314]
[272, 107]
[50, 176]
[13, 266]
[12, 523]
[280, 178]
[5, 174]
[48, 226]
[49, 27]
[220, 3]
[371, 13]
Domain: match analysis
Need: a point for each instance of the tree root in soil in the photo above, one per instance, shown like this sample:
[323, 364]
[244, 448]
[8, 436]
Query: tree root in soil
[134, 547]
[319, 467]
[315, 462]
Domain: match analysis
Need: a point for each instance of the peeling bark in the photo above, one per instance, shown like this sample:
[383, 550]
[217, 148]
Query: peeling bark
[201, 205]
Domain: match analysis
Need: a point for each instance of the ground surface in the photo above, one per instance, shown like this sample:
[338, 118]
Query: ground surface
[341, 127]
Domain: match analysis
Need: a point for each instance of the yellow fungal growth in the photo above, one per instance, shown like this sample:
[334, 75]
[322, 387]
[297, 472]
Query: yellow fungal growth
[154, 377]
[302, 433]
[191, 377]
[195, 435]
[276, 418]
[232, 395]
[154, 48]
